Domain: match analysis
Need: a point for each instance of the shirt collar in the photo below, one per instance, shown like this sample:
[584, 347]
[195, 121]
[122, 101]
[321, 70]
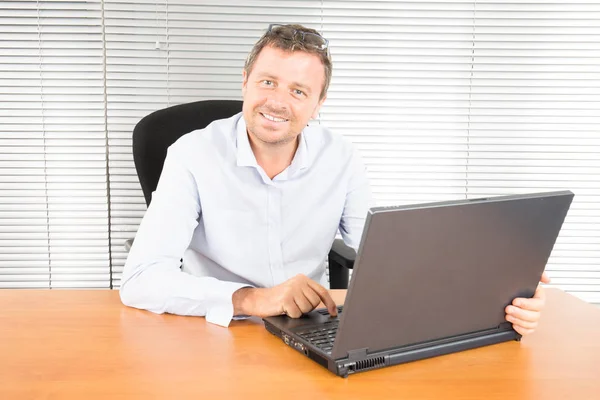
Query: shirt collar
[300, 160]
[246, 158]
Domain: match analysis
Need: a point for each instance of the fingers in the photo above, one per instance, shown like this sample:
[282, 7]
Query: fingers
[536, 303]
[324, 296]
[545, 278]
[302, 299]
[302, 295]
[522, 314]
[291, 309]
[540, 293]
[303, 303]
[522, 331]
[311, 296]
[521, 323]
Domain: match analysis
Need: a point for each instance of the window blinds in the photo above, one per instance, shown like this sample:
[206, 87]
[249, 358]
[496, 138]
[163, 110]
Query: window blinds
[53, 198]
[473, 99]
[400, 92]
[444, 99]
[535, 120]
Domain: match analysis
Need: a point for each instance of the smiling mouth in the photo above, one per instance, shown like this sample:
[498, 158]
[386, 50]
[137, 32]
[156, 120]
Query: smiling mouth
[273, 118]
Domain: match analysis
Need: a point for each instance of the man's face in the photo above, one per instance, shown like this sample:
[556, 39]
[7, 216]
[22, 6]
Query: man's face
[281, 94]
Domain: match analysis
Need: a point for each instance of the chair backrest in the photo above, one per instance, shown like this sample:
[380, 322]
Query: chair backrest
[153, 135]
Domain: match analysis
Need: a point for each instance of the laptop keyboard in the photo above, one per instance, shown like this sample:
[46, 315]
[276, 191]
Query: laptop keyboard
[321, 336]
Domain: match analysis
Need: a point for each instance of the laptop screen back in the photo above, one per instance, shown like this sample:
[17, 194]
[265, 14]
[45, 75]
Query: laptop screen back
[434, 271]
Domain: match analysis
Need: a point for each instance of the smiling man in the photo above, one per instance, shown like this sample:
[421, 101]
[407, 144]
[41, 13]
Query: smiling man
[252, 203]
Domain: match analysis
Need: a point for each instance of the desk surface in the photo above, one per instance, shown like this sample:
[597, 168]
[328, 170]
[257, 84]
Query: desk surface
[63, 344]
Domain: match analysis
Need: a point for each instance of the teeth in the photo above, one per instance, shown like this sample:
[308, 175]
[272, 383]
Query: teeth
[274, 119]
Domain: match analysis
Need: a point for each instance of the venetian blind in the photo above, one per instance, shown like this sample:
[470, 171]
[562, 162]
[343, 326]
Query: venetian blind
[53, 194]
[451, 99]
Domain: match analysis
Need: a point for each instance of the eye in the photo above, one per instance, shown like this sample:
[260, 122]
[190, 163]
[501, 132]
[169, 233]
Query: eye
[298, 92]
[267, 82]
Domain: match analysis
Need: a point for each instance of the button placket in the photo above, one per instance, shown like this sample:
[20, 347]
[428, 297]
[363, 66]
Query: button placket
[274, 235]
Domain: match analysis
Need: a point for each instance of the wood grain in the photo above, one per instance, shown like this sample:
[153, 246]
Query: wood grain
[67, 344]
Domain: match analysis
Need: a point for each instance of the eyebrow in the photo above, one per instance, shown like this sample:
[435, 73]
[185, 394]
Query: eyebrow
[297, 84]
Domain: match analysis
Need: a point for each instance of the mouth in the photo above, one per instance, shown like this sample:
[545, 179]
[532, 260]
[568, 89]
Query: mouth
[274, 118]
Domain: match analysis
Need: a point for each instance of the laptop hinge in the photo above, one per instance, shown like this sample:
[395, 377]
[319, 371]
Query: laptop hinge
[505, 326]
[355, 355]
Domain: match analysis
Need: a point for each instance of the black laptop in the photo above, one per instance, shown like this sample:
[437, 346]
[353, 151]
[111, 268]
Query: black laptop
[432, 279]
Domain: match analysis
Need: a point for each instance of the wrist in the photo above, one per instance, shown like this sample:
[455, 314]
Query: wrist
[241, 301]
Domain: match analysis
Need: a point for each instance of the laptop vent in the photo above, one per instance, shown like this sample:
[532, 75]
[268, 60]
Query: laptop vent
[368, 364]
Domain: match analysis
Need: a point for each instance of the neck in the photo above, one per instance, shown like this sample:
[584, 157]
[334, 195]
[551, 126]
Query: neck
[273, 157]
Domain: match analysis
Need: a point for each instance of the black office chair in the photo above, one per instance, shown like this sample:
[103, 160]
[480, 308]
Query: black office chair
[157, 131]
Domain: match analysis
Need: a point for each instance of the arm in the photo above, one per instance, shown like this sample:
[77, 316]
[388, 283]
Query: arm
[152, 278]
[358, 201]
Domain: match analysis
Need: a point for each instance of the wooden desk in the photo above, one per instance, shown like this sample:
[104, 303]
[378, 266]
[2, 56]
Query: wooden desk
[62, 344]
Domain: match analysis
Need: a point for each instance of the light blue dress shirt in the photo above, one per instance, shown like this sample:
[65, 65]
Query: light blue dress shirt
[216, 209]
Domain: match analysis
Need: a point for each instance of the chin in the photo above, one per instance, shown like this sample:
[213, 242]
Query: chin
[275, 139]
[273, 136]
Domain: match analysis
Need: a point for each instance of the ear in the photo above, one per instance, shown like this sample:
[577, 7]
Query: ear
[244, 82]
[315, 113]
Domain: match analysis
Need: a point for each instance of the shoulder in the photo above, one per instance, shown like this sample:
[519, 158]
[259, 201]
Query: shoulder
[217, 138]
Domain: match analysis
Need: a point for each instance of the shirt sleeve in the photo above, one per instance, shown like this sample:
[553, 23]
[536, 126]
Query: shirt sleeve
[152, 278]
[358, 201]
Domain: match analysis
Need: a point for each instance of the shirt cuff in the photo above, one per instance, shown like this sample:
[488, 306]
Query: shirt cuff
[220, 310]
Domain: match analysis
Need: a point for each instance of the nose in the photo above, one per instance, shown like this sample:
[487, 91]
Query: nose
[276, 99]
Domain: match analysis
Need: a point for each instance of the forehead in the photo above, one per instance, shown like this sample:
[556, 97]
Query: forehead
[290, 66]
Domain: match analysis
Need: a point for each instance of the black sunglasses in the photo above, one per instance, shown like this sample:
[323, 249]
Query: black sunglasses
[307, 38]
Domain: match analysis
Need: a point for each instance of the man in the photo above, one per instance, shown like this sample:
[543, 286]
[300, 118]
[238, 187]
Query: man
[252, 203]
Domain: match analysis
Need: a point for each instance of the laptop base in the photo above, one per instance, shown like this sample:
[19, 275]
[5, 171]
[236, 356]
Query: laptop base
[360, 362]
[344, 367]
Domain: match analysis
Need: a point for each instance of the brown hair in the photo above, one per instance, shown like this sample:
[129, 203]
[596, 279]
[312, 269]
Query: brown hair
[274, 40]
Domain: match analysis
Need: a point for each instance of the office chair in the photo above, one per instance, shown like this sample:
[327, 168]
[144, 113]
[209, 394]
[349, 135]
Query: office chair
[158, 130]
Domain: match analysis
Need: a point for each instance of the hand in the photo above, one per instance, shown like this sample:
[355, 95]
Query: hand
[524, 314]
[293, 297]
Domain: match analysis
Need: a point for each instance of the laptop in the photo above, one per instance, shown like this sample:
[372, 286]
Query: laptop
[432, 279]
